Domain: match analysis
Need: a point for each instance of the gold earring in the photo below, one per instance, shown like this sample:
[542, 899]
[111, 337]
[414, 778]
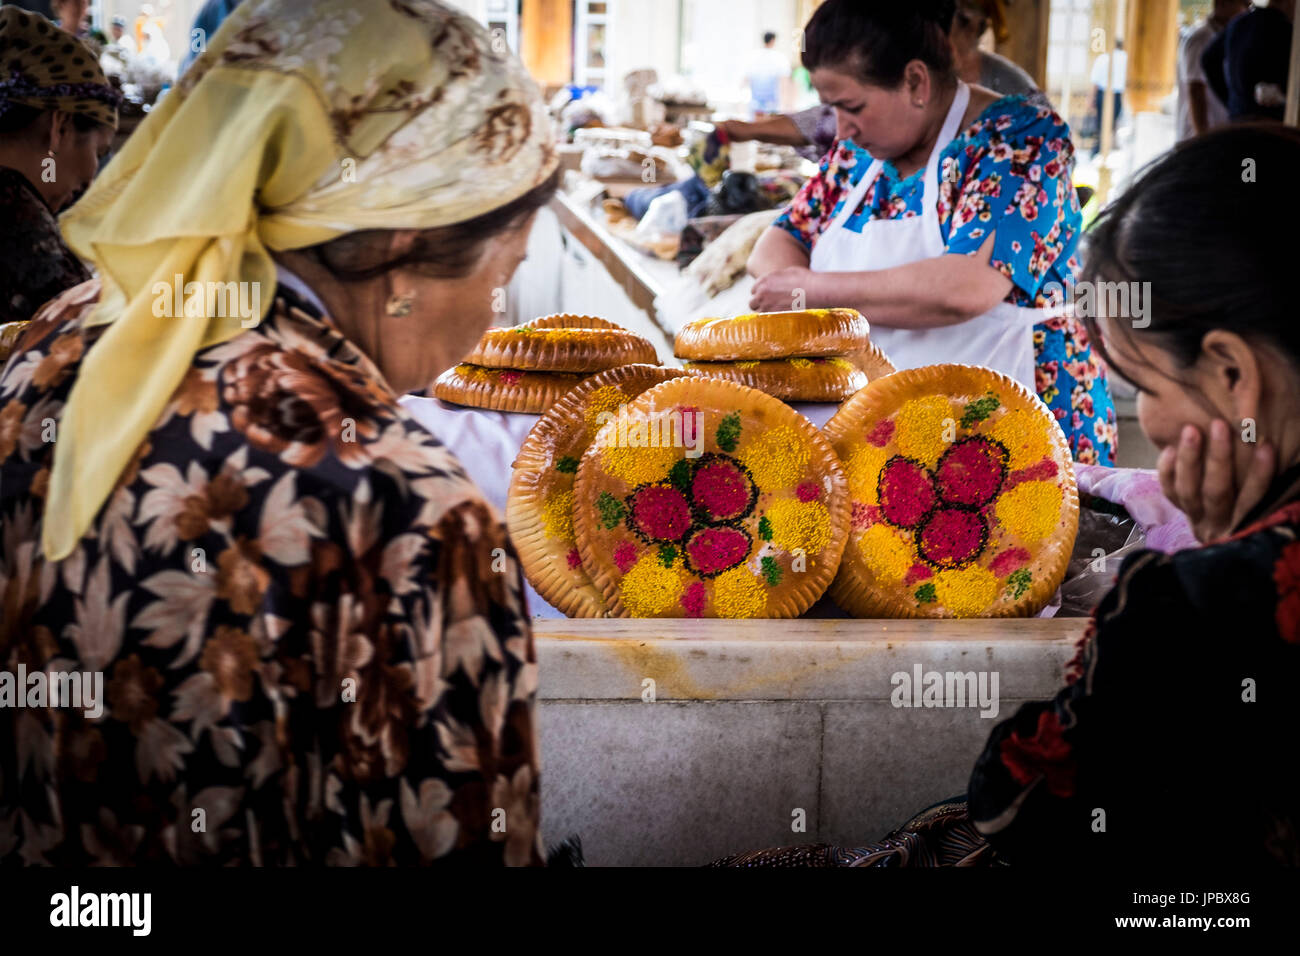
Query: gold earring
[399, 305]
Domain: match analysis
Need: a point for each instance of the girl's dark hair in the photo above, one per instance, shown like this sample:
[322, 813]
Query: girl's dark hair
[446, 252]
[874, 40]
[1206, 226]
[18, 120]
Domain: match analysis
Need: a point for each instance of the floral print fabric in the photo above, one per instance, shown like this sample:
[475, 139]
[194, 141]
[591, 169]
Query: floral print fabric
[1173, 720]
[35, 265]
[1168, 744]
[1009, 173]
[309, 624]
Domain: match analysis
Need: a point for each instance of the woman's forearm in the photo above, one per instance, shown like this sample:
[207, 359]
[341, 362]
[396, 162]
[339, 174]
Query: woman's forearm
[779, 129]
[931, 293]
[775, 249]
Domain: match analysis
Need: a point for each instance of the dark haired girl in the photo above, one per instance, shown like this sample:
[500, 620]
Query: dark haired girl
[945, 214]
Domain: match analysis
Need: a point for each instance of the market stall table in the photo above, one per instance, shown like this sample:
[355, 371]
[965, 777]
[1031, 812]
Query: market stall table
[642, 278]
[678, 742]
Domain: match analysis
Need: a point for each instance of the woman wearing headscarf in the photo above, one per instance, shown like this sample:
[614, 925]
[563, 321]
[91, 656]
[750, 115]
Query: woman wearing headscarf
[308, 622]
[57, 117]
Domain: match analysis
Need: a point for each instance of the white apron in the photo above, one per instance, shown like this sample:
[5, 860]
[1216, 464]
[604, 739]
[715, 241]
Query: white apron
[1000, 339]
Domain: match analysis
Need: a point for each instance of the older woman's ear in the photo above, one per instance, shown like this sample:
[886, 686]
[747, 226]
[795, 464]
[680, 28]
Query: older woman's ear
[59, 130]
[400, 243]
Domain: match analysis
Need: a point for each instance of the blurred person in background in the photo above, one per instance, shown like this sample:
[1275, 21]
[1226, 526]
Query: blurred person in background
[1104, 79]
[1247, 64]
[308, 620]
[1200, 109]
[70, 15]
[73, 16]
[983, 67]
[121, 37]
[768, 70]
[57, 118]
[207, 21]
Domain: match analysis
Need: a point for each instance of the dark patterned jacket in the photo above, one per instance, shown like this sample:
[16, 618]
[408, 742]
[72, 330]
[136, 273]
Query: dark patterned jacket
[35, 263]
[309, 624]
[1173, 741]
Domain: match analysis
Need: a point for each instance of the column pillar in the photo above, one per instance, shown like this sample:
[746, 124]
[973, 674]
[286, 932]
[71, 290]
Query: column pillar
[1151, 41]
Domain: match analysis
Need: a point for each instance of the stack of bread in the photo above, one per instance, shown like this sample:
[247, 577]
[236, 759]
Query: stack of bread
[527, 368]
[816, 355]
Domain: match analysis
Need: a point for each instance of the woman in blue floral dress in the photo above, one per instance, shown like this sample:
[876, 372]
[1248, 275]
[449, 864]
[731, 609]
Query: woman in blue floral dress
[953, 273]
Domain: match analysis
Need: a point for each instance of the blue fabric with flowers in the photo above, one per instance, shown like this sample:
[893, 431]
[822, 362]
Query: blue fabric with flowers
[1008, 173]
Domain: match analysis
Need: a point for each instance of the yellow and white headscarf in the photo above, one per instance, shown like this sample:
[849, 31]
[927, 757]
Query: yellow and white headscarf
[304, 120]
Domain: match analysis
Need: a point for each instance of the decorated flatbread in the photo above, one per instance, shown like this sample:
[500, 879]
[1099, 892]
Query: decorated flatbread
[963, 496]
[539, 509]
[710, 499]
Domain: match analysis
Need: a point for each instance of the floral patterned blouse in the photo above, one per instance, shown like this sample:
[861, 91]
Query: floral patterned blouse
[309, 624]
[1009, 173]
[1170, 741]
[35, 264]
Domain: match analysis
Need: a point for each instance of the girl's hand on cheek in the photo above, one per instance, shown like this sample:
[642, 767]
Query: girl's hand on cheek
[1199, 476]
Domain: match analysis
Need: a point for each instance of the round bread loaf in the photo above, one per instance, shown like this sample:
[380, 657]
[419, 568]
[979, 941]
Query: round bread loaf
[790, 379]
[963, 496]
[570, 320]
[503, 389]
[561, 350]
[769, 335]
[709, 499]
[539, 508]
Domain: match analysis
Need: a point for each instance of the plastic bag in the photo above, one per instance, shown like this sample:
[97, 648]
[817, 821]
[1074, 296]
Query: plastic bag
[666, 216]
[1107, 535]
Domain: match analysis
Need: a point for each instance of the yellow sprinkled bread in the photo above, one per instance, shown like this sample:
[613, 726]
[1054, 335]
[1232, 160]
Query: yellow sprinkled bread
[963, 496]
[539, 508]
[709, 499]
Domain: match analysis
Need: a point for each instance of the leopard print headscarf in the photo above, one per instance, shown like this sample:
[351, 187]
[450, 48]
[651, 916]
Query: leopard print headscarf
[43, 67]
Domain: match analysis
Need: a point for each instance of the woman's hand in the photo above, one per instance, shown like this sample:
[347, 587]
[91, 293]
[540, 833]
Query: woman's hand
[1200, 478]
[785, 290]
